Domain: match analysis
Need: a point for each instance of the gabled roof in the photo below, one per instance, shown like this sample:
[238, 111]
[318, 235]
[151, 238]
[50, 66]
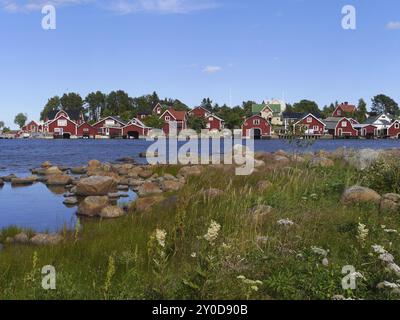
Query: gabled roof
[59, 117]
[137, 122]
[73, 115]
[177, 115]
[200, 107]
[116, 118]
[373, 120]
[310, 115]
[349, 108]
[292, 115]
[215, 116]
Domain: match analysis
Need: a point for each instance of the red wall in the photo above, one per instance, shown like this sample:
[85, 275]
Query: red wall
[90, 132]
[264, 126]
[393, 132]
[134, 127]
[310, 125]
[347, 130]
[70, 128]
[215, 124]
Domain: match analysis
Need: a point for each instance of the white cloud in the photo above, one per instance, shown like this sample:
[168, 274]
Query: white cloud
[393, 25]
[117, 6]
[212, 69]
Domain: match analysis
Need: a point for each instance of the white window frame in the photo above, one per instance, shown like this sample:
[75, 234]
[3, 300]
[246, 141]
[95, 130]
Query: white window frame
[167, 118]
[62, 123]
[344, 124]
[309, 119]
[256, 122]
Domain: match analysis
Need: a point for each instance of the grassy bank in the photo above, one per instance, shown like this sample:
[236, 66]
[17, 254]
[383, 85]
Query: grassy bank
[248, 257]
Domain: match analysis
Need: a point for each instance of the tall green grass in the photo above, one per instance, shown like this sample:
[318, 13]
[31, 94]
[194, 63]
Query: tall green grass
[250, 259]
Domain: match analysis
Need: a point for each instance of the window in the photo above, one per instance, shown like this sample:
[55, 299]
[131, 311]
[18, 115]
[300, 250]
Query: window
[316, 128]
[397, 125]
[339, 112]
[62, 123]
[110, 122]
[167, 118]
[309, 119]
[211, 119]
[85, 130]
[256, 122]
[344, 124]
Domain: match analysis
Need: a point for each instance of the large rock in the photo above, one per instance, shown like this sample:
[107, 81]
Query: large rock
[58, 180]
[53, 170]
[145, 204]
[21, 238]
[191, 171]
[79, 170]
[46, 165]
[43, 239]
[357, 194]
[321, 162]
[1, 183]
[8, 178]
[145, 174]
[149, 188]
[96, 186]
[23, 181]
[94, 165]
[281, 159]
[390, 202]
[171, 185]
[92, 206]
[362, 159]
[111, 212]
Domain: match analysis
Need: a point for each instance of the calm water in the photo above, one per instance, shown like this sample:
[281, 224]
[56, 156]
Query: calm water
[41, 209]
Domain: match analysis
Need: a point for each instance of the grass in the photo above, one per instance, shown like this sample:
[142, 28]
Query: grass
[249, 259]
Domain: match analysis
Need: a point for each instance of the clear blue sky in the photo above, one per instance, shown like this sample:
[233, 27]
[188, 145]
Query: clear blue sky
[190, 49]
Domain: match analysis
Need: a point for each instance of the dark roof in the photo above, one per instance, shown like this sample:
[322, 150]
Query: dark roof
[119, 119]
[293, 115]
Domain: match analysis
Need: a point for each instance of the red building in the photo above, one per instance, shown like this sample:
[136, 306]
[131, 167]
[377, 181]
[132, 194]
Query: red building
[341, 127]
[62, 126]
[32, 127]
[367, 130]
[135, 129]
[173, 118]
[394, 130]
[344, 109]
[158, 109]
[74, 116]
[200, 112]
[310, 125]
[258, 125]
[110, 127]
[85, 130]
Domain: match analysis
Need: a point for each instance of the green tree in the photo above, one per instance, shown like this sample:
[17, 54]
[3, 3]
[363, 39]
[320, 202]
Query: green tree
[207, 103]
[247, 107]
[20, 119]
[52, 105]
[72, 102]
[327, 111]
[153, 122]
[384, 104]
[96, 103]
[306, 106]
[361, 114]
[196, 123]
[119, 102]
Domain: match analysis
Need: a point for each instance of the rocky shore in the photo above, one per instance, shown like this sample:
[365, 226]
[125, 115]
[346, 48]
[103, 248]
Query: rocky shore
[95, 188]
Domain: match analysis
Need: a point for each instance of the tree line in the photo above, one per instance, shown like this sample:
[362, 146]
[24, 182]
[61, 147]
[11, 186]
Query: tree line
[97, 105]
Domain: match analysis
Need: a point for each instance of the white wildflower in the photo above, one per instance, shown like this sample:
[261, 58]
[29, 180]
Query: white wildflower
[320, 251]
[160, 237]
[379, 249]
[356, 275]
[213, 231]
[285, 222]
[386, 257]
[325, 262]
[395, 268]
[362, 232]
[193, 255]
[387, 284]
[390, 231]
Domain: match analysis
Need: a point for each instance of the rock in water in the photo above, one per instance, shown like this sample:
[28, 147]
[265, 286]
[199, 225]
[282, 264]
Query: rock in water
[53, 170]
[357, 194]
[96, 186]
[58, 180]
[111, 212]
[92, 206]
[23, 181]
[79, 170]
[71, 201]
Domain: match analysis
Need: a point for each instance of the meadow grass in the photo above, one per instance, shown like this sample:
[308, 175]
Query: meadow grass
[248, 258]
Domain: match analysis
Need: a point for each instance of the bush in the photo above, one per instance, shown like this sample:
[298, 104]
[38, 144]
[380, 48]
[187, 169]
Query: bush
[383, 176]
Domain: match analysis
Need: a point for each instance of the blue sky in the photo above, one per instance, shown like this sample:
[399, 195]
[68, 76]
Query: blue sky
[229, 50]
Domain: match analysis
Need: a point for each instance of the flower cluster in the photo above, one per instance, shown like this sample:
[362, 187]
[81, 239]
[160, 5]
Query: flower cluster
[212, 233]
[285, 222]
[160, 236]
[323, 253]
[362, 233]
[388, 260]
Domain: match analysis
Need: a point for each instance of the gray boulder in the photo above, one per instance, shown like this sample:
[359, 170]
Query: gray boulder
[96, 186]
